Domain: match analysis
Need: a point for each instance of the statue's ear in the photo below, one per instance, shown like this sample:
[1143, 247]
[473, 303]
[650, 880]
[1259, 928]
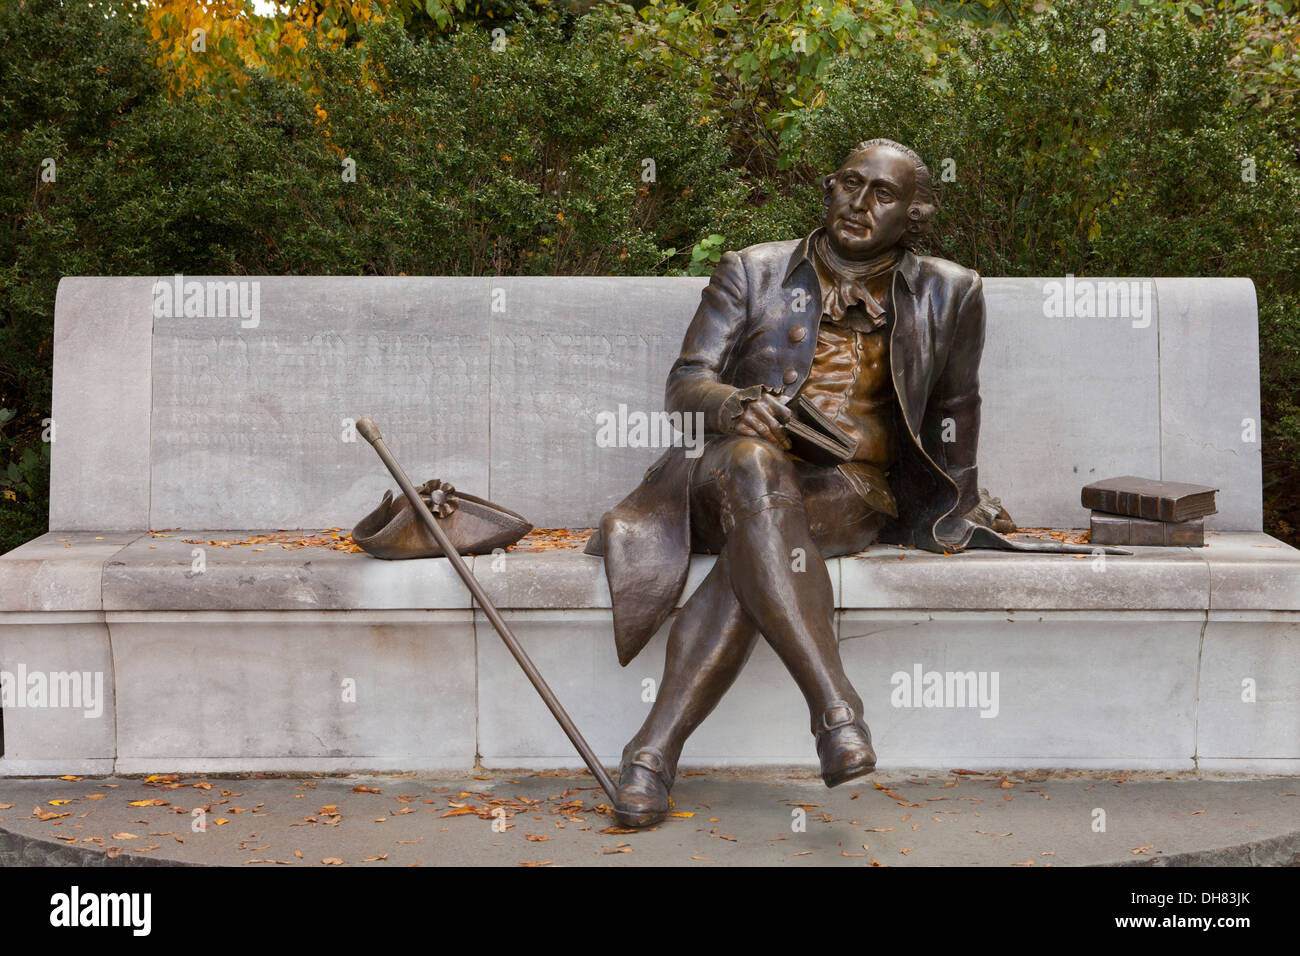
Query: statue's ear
[827, 182]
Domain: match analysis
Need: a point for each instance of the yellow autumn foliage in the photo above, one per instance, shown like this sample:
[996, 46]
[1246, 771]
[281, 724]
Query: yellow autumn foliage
[211, 44]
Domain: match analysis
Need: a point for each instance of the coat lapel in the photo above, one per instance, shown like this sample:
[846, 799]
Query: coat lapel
[910, 345]
[801, 274]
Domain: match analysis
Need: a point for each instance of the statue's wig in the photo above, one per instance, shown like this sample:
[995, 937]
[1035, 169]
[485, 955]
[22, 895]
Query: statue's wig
[920, 213]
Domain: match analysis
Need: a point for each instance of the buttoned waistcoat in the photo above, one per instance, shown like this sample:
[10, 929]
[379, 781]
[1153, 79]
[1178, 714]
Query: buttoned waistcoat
[757, 325]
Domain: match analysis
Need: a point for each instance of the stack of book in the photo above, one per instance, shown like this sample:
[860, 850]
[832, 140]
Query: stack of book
[1143, 511]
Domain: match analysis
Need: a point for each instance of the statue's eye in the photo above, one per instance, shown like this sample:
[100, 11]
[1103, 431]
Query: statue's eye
[885, 195]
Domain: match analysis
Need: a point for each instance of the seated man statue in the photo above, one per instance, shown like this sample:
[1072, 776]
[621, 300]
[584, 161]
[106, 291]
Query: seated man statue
[885, 343]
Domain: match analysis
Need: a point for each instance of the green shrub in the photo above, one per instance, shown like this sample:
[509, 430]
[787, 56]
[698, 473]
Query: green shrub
[1131, 161]
[529, 159]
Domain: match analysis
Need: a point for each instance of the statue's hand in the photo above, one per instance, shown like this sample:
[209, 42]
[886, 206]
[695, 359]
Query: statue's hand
[755, 412]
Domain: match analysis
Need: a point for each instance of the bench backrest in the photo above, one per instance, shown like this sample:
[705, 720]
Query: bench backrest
[497, 384]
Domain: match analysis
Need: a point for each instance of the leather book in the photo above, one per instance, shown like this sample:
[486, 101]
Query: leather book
[1149, 498]
[1121, 529]
[815, 437]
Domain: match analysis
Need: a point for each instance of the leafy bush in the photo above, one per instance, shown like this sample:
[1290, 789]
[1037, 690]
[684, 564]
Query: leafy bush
[475, 156]
[1139, 159]
[527, 159]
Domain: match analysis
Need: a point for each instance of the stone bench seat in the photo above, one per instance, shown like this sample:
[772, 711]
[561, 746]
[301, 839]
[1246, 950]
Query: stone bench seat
[80, 571]
[1129, 660]
[324, 661]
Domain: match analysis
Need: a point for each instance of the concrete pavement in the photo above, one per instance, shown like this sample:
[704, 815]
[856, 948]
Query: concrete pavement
[721, 818]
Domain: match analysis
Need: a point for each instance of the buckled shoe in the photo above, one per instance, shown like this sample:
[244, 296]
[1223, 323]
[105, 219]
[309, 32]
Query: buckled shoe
[843, 744]
[644, 780]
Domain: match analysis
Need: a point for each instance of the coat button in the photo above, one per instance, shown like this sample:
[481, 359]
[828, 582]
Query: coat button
[789, 377]
[797, 334]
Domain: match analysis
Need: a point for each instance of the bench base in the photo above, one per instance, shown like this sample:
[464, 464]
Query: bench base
[1150, 672]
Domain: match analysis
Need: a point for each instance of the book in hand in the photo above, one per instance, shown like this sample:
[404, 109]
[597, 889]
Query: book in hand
[1121, 529]
[1149, 498]
[815, 437]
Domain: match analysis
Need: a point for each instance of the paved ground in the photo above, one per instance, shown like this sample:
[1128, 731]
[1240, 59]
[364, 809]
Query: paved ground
[766, 818]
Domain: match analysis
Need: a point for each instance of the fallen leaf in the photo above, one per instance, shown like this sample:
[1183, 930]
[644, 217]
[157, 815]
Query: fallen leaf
[332, 861]
[459, 811]
[125, 836]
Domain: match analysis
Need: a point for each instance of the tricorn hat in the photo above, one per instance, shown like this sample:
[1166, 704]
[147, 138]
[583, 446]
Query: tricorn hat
[472, 525]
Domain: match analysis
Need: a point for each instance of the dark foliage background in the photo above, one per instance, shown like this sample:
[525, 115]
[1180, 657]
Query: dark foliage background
[527, 159]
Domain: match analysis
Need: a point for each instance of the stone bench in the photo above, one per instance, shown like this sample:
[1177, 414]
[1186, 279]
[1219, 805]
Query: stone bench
[225, 658]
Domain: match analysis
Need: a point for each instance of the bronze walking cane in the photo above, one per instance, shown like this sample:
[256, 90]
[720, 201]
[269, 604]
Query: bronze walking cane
[370, 432]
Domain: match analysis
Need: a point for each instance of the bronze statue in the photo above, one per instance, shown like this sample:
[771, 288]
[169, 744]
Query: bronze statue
[886, 344]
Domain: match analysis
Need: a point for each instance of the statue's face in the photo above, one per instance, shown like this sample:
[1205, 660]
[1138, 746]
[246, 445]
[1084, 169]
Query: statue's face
[869, 198]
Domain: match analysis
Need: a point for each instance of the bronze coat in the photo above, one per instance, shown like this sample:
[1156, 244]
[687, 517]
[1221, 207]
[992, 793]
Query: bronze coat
[741, 336]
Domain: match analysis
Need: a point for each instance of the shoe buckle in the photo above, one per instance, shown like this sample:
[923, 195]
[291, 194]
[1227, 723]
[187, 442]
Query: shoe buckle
[837, 714]
[650, 760]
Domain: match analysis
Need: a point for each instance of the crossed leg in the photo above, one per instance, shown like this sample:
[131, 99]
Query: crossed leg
[751, 504]
[708, 645]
